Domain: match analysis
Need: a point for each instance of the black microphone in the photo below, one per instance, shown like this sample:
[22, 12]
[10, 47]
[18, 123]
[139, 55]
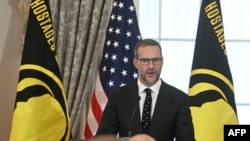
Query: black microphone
[132, 116]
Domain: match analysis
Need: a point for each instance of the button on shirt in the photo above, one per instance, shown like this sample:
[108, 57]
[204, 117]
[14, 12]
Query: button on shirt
[154, 93]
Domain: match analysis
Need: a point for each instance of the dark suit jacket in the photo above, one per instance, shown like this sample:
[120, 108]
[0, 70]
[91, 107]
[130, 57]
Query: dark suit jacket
[171, 118]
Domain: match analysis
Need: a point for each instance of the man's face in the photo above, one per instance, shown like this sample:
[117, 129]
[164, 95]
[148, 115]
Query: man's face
[149, 64]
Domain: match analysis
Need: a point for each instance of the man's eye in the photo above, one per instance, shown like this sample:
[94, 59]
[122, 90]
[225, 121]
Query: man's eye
[145, 60]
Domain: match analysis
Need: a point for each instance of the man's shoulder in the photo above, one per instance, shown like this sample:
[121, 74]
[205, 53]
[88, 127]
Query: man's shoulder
[171, 89]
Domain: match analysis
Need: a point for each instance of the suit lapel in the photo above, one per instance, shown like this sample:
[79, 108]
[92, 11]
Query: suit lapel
[160, 108]
[132, 97]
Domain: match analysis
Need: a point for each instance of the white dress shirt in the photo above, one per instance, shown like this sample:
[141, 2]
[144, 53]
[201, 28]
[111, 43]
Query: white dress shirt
[154, 93]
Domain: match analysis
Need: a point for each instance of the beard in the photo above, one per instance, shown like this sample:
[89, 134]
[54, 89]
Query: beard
[150, 77]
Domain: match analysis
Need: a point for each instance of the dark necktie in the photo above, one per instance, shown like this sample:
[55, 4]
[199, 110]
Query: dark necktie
[146, 111]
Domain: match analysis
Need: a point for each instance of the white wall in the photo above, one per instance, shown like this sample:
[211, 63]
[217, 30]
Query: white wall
[11, 26]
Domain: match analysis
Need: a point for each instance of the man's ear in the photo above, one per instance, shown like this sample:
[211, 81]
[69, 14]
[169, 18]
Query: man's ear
[135, 62]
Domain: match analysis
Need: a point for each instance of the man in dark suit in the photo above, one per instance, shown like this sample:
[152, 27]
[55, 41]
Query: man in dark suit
[169, 115]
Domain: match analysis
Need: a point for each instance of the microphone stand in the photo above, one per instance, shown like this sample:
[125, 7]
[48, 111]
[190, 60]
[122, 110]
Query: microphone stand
[132, 116]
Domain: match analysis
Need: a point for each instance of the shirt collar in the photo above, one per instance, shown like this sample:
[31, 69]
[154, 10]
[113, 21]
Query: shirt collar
[155, 88]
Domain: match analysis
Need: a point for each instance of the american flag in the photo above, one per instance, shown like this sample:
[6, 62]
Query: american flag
[116, 68]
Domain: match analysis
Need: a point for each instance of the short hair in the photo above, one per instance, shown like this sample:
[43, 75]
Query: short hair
[146, 42]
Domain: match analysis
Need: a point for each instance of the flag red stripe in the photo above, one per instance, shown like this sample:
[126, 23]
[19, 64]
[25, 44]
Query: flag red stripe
[88, 134]
[97, 115]
[97, 111]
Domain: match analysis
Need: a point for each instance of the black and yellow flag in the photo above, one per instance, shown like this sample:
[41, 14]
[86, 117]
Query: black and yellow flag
[211, 89]
[40, 112]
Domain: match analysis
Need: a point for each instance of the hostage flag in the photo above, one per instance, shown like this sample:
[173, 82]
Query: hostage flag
[40, 112]
[211, 89]
[116, 68]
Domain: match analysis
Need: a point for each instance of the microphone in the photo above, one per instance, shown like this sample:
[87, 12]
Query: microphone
[132, 116]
